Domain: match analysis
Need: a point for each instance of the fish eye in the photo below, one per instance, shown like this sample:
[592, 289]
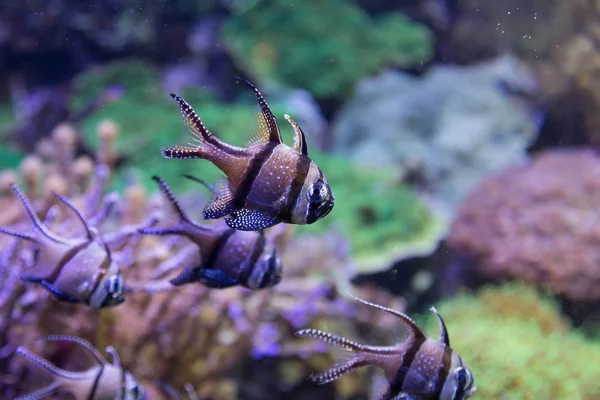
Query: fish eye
[461, 377]
[316, 192]
[115, 285]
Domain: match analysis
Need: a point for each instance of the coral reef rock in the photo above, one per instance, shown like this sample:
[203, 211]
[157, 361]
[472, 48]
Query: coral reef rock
[537, 223]
[518, 346]
[455, 124]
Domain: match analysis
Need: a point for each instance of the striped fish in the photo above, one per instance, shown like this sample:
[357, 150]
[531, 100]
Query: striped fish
[417, 368]
[229, 257]
[267, 182]
[76, 270]
[103, 381]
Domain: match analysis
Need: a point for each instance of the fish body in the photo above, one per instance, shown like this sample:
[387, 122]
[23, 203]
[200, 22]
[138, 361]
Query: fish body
[267, 182]
[418, 368]
[76, 270]
[229, 257]
[104, 381]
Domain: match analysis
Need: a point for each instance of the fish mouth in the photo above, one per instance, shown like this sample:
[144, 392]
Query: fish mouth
[324, 210]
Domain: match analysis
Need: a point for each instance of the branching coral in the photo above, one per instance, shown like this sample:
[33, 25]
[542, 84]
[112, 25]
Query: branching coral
[519, 347]
[172, 335]
[537, 223]
[322, 45]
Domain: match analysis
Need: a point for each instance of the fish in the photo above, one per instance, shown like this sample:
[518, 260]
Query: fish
[102, 381]
[265, 183]
[229, 256]
[417, 368]
[74, 270]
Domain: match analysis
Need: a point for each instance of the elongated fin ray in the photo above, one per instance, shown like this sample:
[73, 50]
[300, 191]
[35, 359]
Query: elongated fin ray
[410, 326]
[188, 275]
[42, 362]
[116, 360]
[330, 339]
[20, 235]
[83, 343]
[37, 224]
[180, 152]
[68, 203]
[299, 138]
[210, 187]
[198, 132]
[444, 338]
[222, 202]
[269, 118]
[336, 372]
[41, 393]
[166, 191]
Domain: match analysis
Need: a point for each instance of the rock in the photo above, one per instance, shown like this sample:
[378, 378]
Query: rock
[537, 223]
[458, 123]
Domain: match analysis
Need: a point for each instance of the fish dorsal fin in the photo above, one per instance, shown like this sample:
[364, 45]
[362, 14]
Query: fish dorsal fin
[83, 343]
[270, 121]
[444, 338]
[68, 203]
[198, 132]
[262, 134]
[299, 138]
[40, 233]
[409, 327]
[166, 191]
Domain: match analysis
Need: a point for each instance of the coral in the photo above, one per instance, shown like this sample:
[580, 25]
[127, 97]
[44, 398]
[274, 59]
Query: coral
[164, 334]
[537, 223]
[276, 41]
[384, 221]
[519, 347]
[453, 124]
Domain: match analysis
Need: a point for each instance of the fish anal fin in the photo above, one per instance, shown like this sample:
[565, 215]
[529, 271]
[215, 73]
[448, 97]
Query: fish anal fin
[188, 275]
[62, 296]
[215, 278]
[380, 388]
[222, 202]
[337, 372]
[299, 138]
[250, 220]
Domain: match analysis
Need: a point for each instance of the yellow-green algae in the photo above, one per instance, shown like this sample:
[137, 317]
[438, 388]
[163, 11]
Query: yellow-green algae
[519, 347]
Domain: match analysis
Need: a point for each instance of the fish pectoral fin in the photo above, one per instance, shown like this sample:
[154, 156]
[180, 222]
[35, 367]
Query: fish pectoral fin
[187, 276]
[222, 202]
[62, 296]
[250, 220]
[215, 278]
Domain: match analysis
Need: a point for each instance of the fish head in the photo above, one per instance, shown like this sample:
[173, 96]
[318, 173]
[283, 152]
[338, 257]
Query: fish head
[319, 197]
[271, 267]
[459, 384]
[111, 288]
[132, 389]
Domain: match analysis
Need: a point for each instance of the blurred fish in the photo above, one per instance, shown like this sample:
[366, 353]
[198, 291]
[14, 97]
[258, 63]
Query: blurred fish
[417, 368]
[103, 381]
[229, 257]
[76, 270]
[267, 182]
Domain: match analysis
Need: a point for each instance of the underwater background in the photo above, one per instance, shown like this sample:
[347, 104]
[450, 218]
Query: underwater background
[459, 138]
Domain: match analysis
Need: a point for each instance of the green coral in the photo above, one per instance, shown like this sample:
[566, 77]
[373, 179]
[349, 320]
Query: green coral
[519, 347]
[325, 46]
[383, 220]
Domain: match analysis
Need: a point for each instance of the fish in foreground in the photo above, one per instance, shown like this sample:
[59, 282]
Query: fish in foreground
[76, 270]
[102, 381]
[417, 368]
[229, 257]
[267, 182]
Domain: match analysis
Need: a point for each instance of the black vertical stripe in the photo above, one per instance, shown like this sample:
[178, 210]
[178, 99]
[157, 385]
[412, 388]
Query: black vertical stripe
[259, 246]
[96, 382]
[407, 361]
[443, 371]
[298, 179]
[252, 172]
[72, 252]
[220, 246]
[103, 269]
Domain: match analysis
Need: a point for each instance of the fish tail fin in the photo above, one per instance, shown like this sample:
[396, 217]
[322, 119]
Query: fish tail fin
[348, 353]
[47, 365]
[185, 226]
[39, 232]
[41, 393]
